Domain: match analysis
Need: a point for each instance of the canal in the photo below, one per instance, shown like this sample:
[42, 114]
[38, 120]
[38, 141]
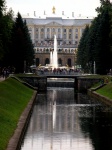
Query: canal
[63, 120]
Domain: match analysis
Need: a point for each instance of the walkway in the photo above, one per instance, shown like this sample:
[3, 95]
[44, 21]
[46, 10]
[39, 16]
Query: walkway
[2, 79]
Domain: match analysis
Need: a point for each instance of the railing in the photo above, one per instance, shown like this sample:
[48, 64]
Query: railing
[59, 46]
[52, 39]
[65, 52]
[75, 73]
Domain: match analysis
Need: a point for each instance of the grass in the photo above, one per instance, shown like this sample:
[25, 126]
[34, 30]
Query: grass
[14, 97]
[106, 90]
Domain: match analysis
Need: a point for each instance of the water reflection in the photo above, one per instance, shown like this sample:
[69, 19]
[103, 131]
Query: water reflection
[62, 120]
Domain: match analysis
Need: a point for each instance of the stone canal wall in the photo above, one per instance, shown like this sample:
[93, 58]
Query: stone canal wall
[97, 96]
[38, 82]
[15, 141]
[85, 83]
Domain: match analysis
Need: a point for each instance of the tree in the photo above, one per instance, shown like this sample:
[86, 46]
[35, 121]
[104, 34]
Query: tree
[22, 47]
[82, 55]
[96, 44]
[6, 22]
[102, 46]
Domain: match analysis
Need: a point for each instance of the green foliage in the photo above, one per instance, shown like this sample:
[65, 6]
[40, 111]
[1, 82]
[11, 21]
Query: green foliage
[6, 22]
[82, 55]
[14, 97]
[106, 91]
[22, 47]
[95, 45]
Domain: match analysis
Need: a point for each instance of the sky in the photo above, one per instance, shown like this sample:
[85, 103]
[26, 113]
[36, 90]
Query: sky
[79, 7]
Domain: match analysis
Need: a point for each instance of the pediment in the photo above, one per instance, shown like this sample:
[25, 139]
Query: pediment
[53, 23]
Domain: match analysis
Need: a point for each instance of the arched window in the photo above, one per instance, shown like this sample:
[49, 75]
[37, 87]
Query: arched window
[42, 30]
[53, 29]
[59, 30]
[64, 30]
[60, 61]
[47, 29]
[70, 30]
[37, 61]
[47, 61]
[69, 62]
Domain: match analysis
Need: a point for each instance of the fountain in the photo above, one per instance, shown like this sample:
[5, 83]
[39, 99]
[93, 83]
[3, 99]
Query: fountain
[53, 55]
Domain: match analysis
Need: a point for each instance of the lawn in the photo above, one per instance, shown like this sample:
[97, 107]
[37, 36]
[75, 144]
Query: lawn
[106, 90]
[14, 97]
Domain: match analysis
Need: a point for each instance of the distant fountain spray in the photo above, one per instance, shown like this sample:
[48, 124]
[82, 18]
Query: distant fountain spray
[53, 55]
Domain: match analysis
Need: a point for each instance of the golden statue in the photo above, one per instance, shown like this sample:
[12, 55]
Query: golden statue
[53, 10]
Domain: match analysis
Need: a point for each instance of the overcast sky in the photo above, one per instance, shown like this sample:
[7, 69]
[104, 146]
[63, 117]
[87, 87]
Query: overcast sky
[83, 7]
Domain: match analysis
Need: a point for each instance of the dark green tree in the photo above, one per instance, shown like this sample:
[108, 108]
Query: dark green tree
[82, 55]
[92, 42]
[22, 47]
[29, 47]
[96, 46]
[6, 22]
[102, 46]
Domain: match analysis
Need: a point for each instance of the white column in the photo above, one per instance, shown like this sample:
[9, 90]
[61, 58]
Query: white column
[45, 36]
[39, 34]
[73, 36]
[50, 32]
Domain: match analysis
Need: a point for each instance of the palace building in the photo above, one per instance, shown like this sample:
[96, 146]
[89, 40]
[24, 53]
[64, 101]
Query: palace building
[68, 31]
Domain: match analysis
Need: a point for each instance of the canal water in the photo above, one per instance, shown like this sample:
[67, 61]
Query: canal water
[63, 120]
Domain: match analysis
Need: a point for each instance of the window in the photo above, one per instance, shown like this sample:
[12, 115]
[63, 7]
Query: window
[64, 36]
[36, 29]
[47, 61]
[60, 61]
[47, 29]
[70, 36]
[53, 29]
[48, 36]
[72, 50]
[58, 35]
[42, 36]
[37, 61]
[70, 30]
[76, 42]
[64, 42]
[64, 30]
[59, 30]
[70, 42]
[76, 36]
[76, 30]
[42, 30]
[58, 42]
[69, 62]
[36, 35]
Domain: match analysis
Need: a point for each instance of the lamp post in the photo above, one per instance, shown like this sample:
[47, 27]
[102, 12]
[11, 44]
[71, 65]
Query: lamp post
[24, 66]
[94, 66]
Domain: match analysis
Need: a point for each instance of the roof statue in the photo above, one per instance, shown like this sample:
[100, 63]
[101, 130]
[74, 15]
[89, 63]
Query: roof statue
[53, 10]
